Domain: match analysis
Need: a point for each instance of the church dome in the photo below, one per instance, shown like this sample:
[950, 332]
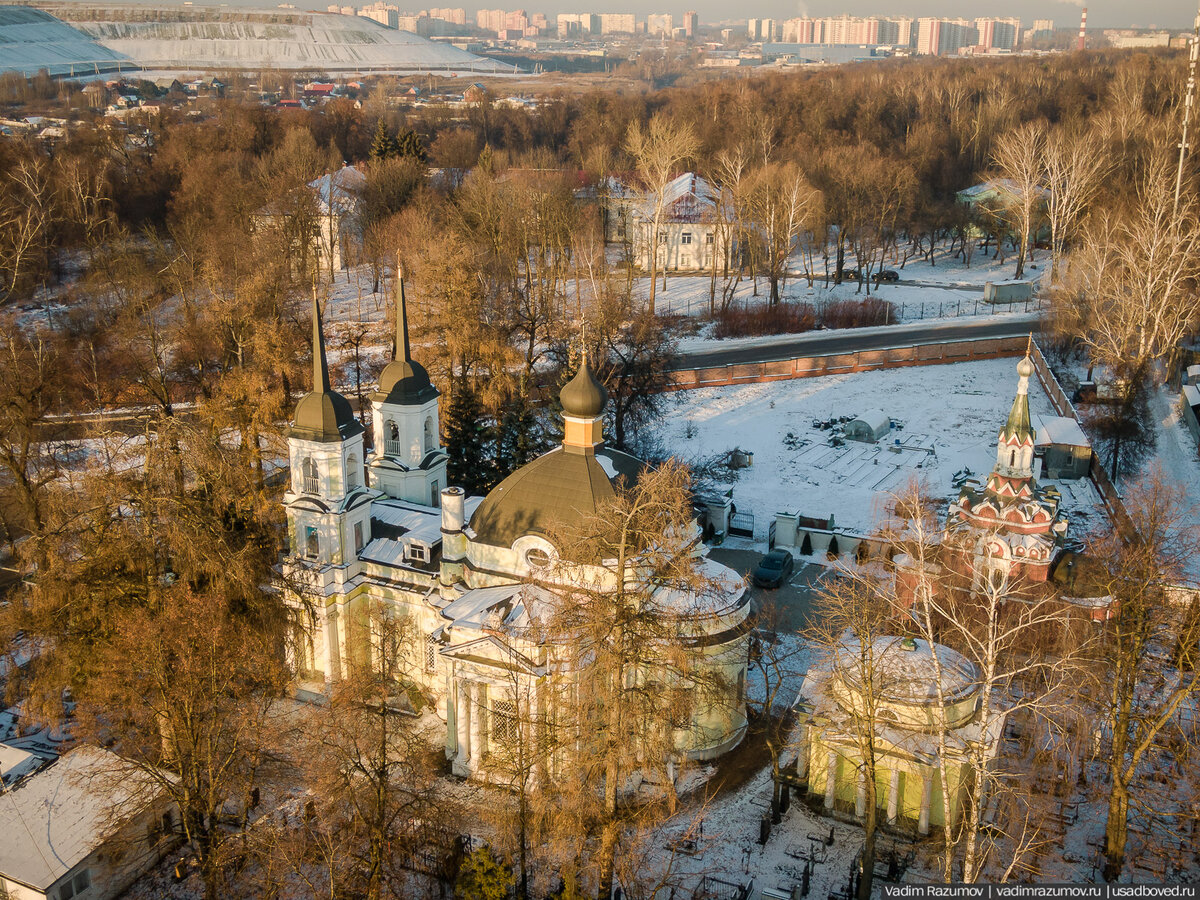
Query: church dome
[583, 396]
[324, 416]
[1025, 367]
[556, 489]
[405, 382]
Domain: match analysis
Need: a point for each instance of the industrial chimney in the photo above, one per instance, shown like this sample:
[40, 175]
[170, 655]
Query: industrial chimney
[1082, 29]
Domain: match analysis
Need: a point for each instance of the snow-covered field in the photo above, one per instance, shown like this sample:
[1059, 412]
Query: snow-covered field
[950, 416]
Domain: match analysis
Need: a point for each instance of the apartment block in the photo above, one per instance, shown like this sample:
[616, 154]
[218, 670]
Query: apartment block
[660, 23]
[691, 23]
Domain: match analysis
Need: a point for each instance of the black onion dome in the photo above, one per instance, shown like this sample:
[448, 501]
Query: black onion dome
[405, 382]
[583, 396]
[324, 416]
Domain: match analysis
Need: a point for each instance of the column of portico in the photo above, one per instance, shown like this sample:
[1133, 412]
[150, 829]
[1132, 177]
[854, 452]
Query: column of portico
[831, 779]
[343, 640]
[926, 802]
[478, 703]
[462, 724]
[802, 754]
[893, 807]
[333, 667]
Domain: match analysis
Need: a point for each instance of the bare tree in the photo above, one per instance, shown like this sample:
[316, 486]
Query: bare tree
[633, 682]
[1149, 650]
[782, 205]
[1017, 156]
[658, 149]
[1074, 164]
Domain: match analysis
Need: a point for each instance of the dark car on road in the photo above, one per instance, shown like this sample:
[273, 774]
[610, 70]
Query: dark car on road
[851, 274]
[774, 569]
[887, 275]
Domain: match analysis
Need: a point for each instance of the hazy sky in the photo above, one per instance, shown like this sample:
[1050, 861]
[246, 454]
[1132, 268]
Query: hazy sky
[1172, 14]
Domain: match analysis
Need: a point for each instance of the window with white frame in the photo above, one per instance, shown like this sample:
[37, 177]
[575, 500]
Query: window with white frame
[352, 477]
[358, 537]
[685, 238]
[312, 542]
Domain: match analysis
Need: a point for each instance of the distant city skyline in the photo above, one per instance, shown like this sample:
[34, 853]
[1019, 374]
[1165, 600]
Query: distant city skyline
[1167, 14]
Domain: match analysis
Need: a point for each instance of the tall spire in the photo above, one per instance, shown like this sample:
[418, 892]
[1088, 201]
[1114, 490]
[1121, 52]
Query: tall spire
[320, 366]
[403, 351]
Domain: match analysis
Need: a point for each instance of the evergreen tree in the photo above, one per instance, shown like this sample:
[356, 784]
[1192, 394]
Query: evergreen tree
[383, 144]
[519, 436]
[409, 144]
[466, 438]
[483, 877]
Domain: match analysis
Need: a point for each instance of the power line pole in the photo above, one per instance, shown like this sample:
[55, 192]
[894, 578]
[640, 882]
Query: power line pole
[1189, 99]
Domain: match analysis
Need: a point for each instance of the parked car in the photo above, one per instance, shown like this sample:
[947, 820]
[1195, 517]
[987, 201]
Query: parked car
[887, 275]
[851, 275]
[774, 569]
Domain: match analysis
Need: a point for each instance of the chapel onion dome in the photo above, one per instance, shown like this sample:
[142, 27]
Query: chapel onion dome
[583, 396]
[404, 381]
[566, 486]
[323, 415]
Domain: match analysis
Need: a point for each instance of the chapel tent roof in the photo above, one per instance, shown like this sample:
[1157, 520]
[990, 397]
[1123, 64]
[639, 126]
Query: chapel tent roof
[323, 414]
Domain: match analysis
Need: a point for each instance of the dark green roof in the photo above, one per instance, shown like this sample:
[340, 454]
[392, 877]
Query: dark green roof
[563, 486]
[583, 396]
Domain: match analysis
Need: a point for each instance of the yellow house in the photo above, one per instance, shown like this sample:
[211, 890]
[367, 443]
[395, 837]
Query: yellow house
[910, 713]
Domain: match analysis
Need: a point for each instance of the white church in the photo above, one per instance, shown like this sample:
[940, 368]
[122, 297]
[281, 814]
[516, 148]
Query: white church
[379, 536]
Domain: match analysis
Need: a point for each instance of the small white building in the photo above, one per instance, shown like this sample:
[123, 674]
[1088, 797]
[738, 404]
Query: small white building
[81, 827]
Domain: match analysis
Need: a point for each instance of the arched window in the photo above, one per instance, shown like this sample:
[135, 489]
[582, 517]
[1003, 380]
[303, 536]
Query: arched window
[312, 479]
[352, 479]
[391, 440]
[1012, 458]
[428, 433]
[312, 543]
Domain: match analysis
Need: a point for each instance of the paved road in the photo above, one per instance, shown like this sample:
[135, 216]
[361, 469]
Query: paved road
[784, 609]
[849, 340]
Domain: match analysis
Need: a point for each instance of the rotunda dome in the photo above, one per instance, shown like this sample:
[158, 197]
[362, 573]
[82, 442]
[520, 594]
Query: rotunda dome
[556, 489]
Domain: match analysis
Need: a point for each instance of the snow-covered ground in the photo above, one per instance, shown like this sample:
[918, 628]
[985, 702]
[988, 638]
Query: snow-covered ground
[950, 416]
[944, 289]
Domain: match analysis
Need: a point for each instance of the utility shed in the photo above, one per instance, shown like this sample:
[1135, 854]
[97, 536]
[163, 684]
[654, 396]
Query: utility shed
[1065, 450]
[869, 427]
[1193, 375]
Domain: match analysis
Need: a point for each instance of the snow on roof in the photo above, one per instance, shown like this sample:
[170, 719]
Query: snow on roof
[65, 810]
[1059, 430]
[686, 198]
[346, 186]
[15, 763]
[907, 672]
[1193, 374]
[995, 186]
[1191, 395]
[876, 419]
